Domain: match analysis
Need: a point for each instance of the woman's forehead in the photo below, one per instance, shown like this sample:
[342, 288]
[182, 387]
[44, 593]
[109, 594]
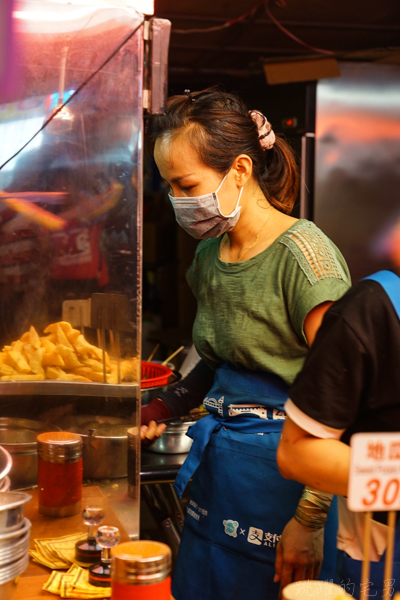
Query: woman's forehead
[176, 154]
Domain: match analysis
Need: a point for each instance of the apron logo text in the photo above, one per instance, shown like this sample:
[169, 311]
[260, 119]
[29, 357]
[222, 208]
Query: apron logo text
[213, 403]
[255, 535]
[195, 506]
[231, 527]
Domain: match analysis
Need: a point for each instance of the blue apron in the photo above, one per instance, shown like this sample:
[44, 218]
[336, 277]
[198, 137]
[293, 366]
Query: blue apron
[238, 502]
[348, 571]
[348, 574]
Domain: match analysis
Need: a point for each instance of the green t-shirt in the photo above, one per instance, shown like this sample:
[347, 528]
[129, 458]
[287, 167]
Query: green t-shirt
[251, 313]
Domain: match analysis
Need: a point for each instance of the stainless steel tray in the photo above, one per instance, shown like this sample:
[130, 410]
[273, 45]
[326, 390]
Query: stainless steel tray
[49, 387]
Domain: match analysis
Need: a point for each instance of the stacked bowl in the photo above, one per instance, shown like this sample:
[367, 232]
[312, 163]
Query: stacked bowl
[5, 467]
[14, 533]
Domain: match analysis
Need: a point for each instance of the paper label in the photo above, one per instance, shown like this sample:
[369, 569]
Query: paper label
[374, 479]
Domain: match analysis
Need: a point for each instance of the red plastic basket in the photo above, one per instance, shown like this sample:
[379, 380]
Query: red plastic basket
[154, 375]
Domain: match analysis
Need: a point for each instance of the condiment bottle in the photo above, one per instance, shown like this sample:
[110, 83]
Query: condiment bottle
[88, 551]
[100, 573]
[59, 473]
[141, 571]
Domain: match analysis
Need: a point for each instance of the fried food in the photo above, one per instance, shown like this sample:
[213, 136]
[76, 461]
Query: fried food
[63, 355]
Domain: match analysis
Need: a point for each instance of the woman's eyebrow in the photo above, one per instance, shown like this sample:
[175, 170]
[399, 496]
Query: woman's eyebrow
[178, 179]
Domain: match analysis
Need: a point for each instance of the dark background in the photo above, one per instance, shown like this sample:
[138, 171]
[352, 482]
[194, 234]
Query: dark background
[234, 57]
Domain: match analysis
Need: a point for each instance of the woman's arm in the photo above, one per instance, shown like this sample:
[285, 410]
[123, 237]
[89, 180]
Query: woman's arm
[177, 401]
[313, 321]
[299, 553]
[320, 463]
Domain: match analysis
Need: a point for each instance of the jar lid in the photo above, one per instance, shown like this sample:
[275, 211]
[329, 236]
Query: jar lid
[59, 446]
[140, 562]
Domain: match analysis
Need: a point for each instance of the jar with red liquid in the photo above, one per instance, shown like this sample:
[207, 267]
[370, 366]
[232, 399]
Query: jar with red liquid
[140, 570]
[59, 473]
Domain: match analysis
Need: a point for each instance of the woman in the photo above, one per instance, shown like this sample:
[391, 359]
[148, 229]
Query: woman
[356, 356]
[263, 281]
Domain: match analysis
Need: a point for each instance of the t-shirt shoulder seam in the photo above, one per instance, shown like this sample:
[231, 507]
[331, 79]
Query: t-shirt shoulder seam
[313, 252]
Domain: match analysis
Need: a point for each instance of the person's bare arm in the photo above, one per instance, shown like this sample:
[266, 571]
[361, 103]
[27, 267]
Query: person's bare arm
[299, 553]
[320, 463]
[313, 320]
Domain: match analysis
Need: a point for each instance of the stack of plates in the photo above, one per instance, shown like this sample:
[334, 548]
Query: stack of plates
[5, 484]
[14, 540]
[5, 467]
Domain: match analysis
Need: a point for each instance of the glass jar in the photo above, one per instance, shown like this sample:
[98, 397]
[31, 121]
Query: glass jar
[59, 473]
[141, 571]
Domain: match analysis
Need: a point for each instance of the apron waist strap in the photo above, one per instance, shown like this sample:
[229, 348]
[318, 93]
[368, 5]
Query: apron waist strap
[202, 431]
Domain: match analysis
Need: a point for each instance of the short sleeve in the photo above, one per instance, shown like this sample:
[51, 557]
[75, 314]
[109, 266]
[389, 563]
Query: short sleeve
[329, 388]
[320, 273]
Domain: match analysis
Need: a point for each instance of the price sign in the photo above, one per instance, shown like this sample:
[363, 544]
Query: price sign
[374, 472]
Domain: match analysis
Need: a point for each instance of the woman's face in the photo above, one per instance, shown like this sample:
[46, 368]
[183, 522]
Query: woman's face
[182, 169]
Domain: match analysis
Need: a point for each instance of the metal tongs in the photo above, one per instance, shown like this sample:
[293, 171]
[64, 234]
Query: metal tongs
[110, 312]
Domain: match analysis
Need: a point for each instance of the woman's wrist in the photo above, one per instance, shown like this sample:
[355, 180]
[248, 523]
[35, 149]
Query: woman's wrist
[315, 491]
[312, 510]
[156, 410]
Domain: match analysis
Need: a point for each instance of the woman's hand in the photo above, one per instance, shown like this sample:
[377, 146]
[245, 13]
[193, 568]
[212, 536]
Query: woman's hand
[299, 554]
[155, 411]
[150, 432]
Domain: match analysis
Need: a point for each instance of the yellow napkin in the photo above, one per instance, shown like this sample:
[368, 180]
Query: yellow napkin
[74, 584]
[56, 553]
[53, 584]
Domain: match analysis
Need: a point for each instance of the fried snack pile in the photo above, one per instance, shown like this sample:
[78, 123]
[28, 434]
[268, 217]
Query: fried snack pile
[64, 354]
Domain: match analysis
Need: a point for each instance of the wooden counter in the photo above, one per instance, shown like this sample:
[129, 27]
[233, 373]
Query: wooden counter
[32, 580]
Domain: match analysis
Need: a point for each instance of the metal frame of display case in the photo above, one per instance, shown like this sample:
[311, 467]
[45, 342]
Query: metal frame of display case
[87, 75]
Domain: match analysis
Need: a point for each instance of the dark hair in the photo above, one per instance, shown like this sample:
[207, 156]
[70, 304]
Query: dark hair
[219, 127]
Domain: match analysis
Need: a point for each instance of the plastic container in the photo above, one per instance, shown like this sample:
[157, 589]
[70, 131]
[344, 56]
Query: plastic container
[141, 571]
[59, 473]
[318, 590]
[154, 375]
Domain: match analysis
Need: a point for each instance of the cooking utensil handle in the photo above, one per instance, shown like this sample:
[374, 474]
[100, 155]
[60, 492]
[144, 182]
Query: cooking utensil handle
[172, 355]
[154, 351]
[171, 419]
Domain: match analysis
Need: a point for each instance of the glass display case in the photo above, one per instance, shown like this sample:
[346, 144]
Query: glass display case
[71, 210]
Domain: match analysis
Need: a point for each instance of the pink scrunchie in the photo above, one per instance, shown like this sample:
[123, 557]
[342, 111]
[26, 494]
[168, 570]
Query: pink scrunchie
[266, 135]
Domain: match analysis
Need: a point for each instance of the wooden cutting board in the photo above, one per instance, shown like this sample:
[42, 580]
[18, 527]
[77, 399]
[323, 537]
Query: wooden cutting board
[32, 580]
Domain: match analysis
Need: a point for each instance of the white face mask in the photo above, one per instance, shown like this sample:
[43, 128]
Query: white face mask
[201, 216]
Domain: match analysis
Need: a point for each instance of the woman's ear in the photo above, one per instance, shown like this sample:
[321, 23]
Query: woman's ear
[243, 167]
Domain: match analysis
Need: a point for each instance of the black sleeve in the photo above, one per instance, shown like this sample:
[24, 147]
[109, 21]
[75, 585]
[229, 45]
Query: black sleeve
[330, 386]
[189, 394]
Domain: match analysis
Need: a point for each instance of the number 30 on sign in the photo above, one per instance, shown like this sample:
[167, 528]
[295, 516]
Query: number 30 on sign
[374, 472]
